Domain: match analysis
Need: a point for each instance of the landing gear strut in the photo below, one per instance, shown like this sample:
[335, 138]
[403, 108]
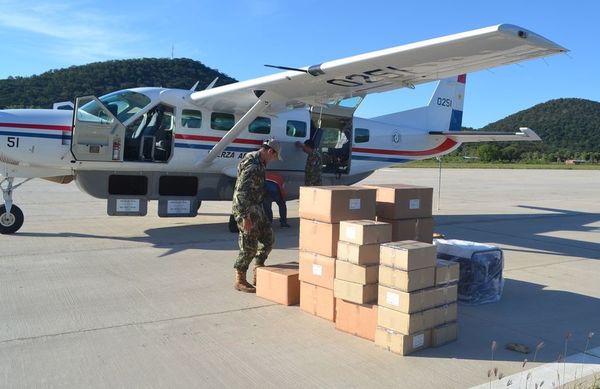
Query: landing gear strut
[11, 216]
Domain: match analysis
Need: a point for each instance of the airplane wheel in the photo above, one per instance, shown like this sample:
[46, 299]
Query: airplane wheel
[232, 225]
[10, 222]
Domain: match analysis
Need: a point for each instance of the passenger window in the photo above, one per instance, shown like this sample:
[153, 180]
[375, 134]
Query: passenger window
[361, 135]
[221, 121]
[296, 128]
[191, 118]
[260, 125]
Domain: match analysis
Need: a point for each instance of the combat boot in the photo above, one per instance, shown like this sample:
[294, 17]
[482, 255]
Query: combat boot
[254, 274]
[241, 284]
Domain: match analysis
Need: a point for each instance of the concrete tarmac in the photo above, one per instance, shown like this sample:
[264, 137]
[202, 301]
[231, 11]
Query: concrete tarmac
[88, 300]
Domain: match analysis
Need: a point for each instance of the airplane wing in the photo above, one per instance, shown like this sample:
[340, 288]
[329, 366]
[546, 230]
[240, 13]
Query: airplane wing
[524, 134]
[383, 70]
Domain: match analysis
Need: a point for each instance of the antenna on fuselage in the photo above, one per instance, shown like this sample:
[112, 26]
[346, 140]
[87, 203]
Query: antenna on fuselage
[212, 83]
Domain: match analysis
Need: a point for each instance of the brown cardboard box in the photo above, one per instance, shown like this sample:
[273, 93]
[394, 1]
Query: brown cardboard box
[446, 272]
[332, 204]
[319, 237]
[411, 229]
[317, 301]
[406, 323]
[399, 201]
[443, 334]
[406, 281]
[365, 231]
[445, 294]
[317, 269]
[407, 255]
[357, 319]
[279, 283]
[361, 274]
[406, 302]
[354, 292]
[440, 315]
[358, 254]
[402, 344]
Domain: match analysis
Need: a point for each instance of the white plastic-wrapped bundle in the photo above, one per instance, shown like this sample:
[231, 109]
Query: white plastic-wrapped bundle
[481, 265]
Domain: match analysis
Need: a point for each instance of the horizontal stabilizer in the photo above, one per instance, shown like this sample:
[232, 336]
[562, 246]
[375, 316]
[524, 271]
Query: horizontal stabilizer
[524, 134]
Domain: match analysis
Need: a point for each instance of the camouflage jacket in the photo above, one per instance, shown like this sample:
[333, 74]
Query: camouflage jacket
[312, 171]
[249, 188]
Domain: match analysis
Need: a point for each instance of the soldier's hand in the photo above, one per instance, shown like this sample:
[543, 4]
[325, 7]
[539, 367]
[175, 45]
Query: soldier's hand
[248, 224]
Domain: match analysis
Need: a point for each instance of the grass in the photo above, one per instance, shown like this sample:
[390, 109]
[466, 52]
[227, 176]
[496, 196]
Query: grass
[432, 163]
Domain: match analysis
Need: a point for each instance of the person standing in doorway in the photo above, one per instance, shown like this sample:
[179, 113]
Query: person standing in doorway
[314, 163]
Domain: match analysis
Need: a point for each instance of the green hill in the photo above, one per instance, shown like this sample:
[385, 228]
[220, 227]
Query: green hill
[99, 78]
[569, 128]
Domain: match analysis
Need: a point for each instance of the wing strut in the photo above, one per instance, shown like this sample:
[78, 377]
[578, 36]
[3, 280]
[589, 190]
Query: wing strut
[258, 107]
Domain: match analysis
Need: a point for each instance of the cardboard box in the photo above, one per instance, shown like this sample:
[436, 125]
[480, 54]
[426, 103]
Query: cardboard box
[317, 269]
[354, 292]
[406, 281]
[399, 201]
[411, 229]
[318, 237]
[446, 272]
[440, 315]
[279, 283]
[361, 274]
[358, 254]
[365, 231]
[445, 294]
[356, 319]
[332, 204]
[406, 323]
[317, 301]
[407, 302]
[407, 255]
[444, 334]
[400, 343]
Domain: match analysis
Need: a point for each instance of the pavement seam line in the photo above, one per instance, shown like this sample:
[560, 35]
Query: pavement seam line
[132, 324]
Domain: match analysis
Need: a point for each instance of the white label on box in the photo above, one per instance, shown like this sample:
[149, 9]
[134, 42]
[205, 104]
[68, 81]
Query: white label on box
[318, 270]
[128, 205]
[392, 298]
[354, 204]
[178, 206]
[418, 341]
[350, 232]
[414, 204]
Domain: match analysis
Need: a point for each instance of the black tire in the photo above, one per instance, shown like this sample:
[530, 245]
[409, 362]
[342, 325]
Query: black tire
[10, 222]
[232, 225]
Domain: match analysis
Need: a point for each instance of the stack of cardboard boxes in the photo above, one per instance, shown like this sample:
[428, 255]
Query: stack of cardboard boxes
[321, 211]
[356, 275]
[411, 306]
[408, 209]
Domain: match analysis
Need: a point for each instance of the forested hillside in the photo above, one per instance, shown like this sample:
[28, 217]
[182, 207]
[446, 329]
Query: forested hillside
[569, 128]
[41, 91]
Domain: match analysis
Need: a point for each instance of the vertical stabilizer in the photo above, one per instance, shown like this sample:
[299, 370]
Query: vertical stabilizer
[443, 113]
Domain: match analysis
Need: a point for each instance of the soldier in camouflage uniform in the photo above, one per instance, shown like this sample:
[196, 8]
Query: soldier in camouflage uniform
[312, 171]
[249, 214]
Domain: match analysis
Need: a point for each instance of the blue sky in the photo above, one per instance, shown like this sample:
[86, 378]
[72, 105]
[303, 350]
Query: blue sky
[239, 37]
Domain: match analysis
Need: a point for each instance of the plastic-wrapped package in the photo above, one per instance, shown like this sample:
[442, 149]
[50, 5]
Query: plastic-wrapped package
[481, 267]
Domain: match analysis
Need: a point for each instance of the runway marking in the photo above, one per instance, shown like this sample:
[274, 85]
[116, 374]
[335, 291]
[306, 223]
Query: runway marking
[575, 367]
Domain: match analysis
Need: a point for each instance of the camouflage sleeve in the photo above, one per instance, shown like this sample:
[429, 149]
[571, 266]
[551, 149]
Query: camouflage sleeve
[248, 190]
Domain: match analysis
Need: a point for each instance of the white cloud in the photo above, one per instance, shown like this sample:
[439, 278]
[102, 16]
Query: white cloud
[78, 31]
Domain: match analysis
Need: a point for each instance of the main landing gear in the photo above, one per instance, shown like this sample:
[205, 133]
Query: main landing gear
[11, 216]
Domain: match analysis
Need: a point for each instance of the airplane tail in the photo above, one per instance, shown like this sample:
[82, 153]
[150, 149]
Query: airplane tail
[443, 113]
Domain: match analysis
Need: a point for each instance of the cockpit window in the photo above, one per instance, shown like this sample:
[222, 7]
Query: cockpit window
[125, 104]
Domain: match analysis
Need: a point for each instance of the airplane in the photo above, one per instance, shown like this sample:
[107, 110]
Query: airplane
[181, 147]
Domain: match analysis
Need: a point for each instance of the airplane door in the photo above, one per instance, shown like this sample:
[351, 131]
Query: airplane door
[97, 134]
[332, 132]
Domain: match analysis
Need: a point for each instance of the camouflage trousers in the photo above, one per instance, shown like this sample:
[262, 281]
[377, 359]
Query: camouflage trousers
[256, 244]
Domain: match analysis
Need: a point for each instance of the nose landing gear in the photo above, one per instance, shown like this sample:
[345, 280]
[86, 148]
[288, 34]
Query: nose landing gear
[11, 216]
